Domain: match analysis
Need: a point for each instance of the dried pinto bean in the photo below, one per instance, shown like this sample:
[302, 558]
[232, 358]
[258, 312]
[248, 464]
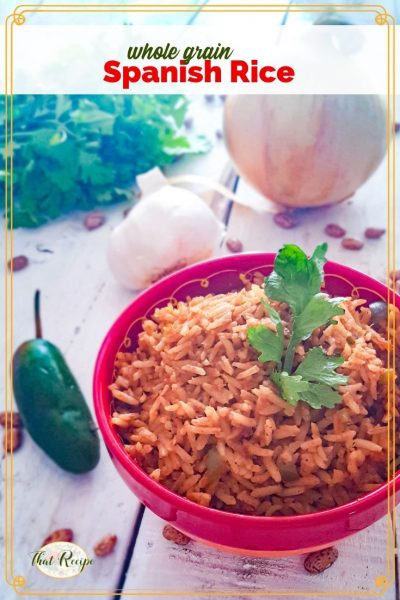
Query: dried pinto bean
[334, 230]
[16, 419]
[173, 535]
[106, 545]
[94, 220]
[188, 122]
[234, 245]
[18, 263]
[373, 233]
[352, 244]
[286, 220]
[59, 535]
[319, 561]
[12, 440]
[395, 275]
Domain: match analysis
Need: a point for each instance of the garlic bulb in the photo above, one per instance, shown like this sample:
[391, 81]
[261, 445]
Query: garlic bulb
[167, 229]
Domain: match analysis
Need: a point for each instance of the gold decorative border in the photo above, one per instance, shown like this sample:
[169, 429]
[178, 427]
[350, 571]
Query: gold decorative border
[18, 17]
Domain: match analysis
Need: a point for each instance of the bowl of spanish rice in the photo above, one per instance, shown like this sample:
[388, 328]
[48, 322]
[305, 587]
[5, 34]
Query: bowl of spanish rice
[210, 436]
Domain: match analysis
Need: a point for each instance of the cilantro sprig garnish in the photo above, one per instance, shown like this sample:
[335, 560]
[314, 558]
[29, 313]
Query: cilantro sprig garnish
[296, 280]
[74, 152]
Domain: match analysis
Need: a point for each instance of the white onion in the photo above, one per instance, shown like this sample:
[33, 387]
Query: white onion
[305, 150]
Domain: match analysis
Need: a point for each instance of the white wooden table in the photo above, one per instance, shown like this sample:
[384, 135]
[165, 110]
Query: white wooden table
[80, 300]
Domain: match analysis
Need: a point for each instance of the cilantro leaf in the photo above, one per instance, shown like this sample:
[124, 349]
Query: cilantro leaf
[89, 118]
[292, 387]
[320, 395]
[265, 341]
[316, 313]
[274, 316]
[92, 170]
[318, 367]
[296, 278]
[319, 257]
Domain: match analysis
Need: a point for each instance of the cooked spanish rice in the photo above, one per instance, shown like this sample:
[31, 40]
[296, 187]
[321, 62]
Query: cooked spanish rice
[196, 409]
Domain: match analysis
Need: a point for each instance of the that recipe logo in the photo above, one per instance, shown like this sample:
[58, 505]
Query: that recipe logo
[61, 560]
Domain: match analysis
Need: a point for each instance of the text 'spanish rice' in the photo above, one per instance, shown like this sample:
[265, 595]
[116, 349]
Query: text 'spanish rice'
[196, 409]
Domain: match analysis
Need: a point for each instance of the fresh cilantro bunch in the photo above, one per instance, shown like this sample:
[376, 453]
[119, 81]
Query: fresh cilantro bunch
[296, 280]
[74, 152]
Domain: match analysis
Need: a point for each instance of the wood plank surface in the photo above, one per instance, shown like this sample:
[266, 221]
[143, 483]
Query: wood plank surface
[162, 566]
[80, 300]
[79, 303]
[367, 208]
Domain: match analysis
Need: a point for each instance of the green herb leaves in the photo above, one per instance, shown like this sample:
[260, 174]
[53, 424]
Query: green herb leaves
[316, 313]
[292, 386]
[296, 280]
[318, 367]
[319, 395]
[314, 381]
[268, 343]
[319, 311]
[76, 152]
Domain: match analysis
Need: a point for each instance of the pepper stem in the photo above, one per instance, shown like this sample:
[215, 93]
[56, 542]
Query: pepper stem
[38, 322]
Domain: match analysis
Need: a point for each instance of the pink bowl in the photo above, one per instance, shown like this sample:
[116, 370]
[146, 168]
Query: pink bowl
[261, 536]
